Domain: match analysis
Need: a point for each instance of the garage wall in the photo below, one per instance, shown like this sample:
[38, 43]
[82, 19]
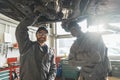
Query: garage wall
[8, 26]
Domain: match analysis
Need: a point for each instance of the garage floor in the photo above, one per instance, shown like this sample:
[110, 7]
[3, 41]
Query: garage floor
[113, 78]
[110, 78]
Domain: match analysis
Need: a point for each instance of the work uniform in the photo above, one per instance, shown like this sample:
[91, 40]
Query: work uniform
[89, 52]
[36, 62]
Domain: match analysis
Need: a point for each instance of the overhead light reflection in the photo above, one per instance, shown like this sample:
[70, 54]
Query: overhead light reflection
[96, 28]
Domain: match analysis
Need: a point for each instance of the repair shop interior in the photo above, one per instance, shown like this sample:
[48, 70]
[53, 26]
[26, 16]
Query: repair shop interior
[88, 53]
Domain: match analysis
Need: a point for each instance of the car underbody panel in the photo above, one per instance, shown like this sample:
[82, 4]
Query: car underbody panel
[58, 10]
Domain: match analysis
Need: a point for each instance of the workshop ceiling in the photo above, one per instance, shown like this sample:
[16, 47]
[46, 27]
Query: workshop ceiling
[58, 10]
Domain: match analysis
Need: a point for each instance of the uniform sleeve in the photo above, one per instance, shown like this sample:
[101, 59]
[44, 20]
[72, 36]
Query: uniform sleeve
[52, 72]
[22, 35]
[73, 61]
[98, 50]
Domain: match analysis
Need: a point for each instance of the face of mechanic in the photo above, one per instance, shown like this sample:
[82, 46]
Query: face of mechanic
[41, 36]
[75, 31]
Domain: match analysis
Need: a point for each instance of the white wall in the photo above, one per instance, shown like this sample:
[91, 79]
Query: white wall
[8, 25]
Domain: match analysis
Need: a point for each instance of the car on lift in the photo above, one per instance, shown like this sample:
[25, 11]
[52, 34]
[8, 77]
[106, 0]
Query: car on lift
[57, 10]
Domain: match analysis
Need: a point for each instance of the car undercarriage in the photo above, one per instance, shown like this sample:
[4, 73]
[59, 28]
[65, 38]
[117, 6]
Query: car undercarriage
[95, 11]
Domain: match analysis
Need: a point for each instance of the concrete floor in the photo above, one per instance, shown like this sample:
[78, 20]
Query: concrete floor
[109, 78]
[113, 78]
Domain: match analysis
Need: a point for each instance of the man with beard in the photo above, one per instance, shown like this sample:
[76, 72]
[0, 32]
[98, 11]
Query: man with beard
[36, 59]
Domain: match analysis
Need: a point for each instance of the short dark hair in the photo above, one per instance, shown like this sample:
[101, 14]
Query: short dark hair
[73, 24]
[68, 25]
[42, 28]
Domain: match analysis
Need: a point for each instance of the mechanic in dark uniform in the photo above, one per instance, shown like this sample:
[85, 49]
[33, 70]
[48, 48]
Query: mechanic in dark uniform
[36, 59]
[89, 52]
